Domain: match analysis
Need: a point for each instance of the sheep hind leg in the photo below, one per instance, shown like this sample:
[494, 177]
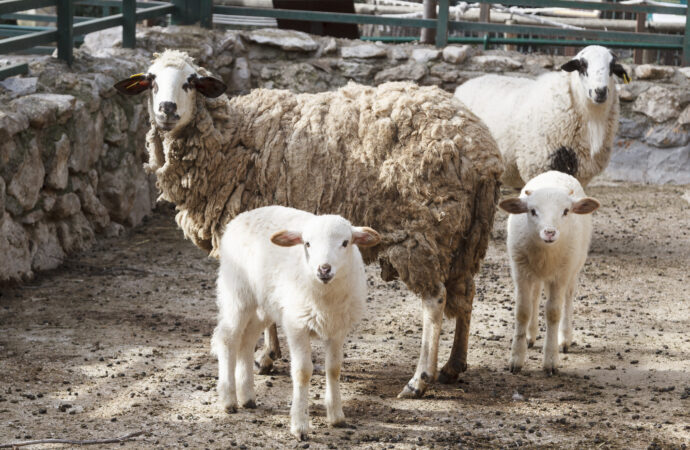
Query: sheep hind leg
[244, 372]
[271, 351]
[457, 361]
[432, 314]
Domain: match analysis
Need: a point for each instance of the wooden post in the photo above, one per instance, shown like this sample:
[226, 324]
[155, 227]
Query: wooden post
[484, 15]
[429, 34]
[65, 18]
[639, 28]
[510, 47]
[129, 24]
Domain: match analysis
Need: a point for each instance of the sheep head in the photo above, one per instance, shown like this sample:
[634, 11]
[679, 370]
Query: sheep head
[596, 66]
[173, 81]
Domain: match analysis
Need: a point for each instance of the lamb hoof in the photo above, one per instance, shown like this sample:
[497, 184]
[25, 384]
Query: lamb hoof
[232, 409]
[564, 348]
[530, 344]
[409, 391]
[514, 368]
[550, 371]
[447, 378]
[341, 424]
[251, 404]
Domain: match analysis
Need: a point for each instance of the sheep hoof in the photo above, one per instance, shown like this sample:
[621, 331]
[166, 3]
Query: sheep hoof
[409, 391]
[514, 368]
[530, 344]
[341, 424]
[232, 409]
[550, 371]
[564, 348]
[265, 369]
[250, 404]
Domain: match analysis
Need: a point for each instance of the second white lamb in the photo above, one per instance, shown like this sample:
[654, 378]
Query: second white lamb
[549, 232]
[314, 287]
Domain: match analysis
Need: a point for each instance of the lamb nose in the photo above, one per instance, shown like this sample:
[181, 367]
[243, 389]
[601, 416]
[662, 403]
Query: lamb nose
[324, 268]
[601, 92]
[168, 108]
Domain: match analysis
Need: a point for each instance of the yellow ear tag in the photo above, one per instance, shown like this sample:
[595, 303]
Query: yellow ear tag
[136, 75]
[133, 84]
[626, 78]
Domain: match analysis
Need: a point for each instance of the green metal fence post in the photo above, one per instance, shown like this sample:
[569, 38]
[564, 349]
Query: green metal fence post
[129, 23]
[65, 38]
[686, 39]
[206, 13]
[442, 24]
[186, 12]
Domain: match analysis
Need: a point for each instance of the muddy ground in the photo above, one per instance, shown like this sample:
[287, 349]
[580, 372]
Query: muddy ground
[117, 341]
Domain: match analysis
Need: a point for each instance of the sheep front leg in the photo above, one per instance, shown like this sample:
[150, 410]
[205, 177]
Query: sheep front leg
[334, 362]
[271, 351]
[565, 329]
[533, 328]
[224, 344]
[432, 316]
[301, 369]
[554, 307]
[524, 288]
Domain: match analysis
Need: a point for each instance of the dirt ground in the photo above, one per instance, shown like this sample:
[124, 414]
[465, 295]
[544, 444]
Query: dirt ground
[117, 341]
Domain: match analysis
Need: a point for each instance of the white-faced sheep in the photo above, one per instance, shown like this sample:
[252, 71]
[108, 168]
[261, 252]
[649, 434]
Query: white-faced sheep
[315, 287]
[563, 121]
[549, 231]
[410, 161]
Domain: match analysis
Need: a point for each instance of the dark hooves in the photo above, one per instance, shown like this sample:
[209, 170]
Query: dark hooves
[530, 344]
[251, 404]
[231, 409]
[343, 424]
[515, 369]
[551, 372]
[447, 378]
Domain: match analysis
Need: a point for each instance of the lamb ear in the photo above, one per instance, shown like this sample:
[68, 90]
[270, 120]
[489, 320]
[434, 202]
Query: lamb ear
[513, 205]
[208, 86]
[572, 65]
[287, 238]
[585, 205]
[136, 84]
[365, 237]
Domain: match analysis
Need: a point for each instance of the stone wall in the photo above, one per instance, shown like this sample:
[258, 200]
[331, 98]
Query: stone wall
[71, 149]
[71, 155]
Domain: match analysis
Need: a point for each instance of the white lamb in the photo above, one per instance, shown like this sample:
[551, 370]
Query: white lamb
[317, 287]
[549, 231]
[563, 121]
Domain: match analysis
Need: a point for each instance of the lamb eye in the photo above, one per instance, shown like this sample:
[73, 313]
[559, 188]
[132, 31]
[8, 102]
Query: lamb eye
[533, 212]
[306, 244]
[565, 212]
[345, 243]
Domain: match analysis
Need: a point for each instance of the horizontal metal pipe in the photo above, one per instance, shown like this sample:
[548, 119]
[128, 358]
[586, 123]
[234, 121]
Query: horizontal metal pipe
[14, 69]
[98, 24]
[10, 6]
[577, 4]
[16, 43]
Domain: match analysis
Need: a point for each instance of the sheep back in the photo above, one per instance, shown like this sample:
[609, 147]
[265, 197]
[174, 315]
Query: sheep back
[411, 162]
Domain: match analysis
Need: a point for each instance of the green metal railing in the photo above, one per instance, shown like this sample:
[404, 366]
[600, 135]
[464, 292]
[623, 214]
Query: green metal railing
[562, 37]
[201, 11]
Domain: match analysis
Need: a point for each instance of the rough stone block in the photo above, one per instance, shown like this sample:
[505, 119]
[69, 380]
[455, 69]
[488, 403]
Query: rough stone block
[58, 174]
[456, 54]
[15, 263]
[658, 103]
[288, 40]
[47, 251]
[411, 71]
[27, 182]
[364, 51]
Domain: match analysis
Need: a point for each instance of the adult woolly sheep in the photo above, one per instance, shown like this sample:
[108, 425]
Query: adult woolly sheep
[409, 161]
[563, 121]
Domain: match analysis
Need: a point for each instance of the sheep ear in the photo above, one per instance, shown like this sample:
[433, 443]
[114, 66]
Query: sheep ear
[572, 65]
[365, 237]
[208, 86]
[136, 84]
[513, 205]
[586, 205]
[287, 238]
[620, 72]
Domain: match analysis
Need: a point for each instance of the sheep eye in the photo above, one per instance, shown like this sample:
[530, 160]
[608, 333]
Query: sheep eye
[306, 244]
[565, 212]
[533, 212]
[345, 243]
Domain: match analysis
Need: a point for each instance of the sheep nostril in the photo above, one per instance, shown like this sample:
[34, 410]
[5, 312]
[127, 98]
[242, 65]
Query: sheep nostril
[168, 108]
[324, 269]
